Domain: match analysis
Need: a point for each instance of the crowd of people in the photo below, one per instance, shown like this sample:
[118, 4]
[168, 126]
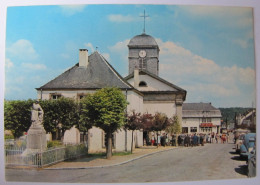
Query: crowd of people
[187, 139]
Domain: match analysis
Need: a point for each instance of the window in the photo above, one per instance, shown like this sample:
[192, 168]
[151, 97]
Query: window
[184, 129]
[193, 129]
[81, 96]
[142, 84]
[206, 120]
[142, 64]
[55, 96]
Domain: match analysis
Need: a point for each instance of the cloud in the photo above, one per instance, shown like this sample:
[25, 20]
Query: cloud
[23, 49]
[89, 46]
[120, 18]
[69, 10]
[121, 49]
[65, 55]
[235, 23]
[203, 77]
[34, 66]
[8, 63]
[241, 16]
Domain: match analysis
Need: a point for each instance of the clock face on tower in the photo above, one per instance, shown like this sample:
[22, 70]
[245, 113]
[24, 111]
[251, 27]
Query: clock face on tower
[142, 53]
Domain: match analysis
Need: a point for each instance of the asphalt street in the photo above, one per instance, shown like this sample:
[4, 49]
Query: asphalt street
[209, 162]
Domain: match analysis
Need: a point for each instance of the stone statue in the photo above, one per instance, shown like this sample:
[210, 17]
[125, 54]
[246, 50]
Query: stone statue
[37, 114]
[36, 135]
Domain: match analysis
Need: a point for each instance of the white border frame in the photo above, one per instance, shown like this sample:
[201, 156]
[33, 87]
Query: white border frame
[248, 3]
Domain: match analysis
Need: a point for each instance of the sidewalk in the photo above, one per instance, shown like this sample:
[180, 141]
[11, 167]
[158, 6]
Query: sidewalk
[101, 161]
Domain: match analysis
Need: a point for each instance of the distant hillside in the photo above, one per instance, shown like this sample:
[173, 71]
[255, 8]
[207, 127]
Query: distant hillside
[229, 113]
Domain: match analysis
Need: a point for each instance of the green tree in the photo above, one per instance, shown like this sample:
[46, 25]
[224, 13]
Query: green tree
[160, 122]
[105, 109]
[62, 112]
[17, 116]
[174, 127]
[133, 123]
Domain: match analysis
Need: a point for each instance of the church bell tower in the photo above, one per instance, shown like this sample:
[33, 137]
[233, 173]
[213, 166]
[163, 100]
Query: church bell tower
[143, 53]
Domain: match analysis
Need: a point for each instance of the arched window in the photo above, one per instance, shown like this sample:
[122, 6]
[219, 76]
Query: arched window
[142, 84]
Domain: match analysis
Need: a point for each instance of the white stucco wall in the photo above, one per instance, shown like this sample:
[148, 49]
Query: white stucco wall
[195, 122]
[135, 102]
[72, 136]
[120, 140]
[152, 84]
[139, 141]
[169, 108]
[95, 140]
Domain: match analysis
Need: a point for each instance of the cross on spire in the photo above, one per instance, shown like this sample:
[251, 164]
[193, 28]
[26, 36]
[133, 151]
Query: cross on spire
[144, 16]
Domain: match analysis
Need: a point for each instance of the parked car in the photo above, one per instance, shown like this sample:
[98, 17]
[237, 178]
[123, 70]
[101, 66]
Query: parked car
[239, 142]
[238, 132]
[251, 164]
[248, 145]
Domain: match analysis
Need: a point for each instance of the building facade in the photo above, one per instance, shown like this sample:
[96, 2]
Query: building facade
[159, 94]
[143, 88]
[200, 118]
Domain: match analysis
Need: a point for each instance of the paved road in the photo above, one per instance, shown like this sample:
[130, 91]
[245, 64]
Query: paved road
[212, 161]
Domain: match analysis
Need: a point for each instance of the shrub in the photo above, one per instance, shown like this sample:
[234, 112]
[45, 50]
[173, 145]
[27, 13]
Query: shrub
[9, 137]
[54, 143]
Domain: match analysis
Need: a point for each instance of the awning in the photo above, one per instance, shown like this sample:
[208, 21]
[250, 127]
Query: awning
[207, 125]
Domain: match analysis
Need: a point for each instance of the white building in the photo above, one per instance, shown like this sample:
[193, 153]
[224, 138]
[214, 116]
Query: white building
[200, 118]
[144, 89]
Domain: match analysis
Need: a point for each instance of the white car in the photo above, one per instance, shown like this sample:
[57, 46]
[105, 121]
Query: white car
[239, 142]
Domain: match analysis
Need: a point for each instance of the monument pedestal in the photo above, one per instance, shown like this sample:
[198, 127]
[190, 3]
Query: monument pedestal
[36, 140]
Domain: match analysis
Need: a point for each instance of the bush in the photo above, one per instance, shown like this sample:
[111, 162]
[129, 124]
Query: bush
[54, 143]
[9, 137]
[73, 151]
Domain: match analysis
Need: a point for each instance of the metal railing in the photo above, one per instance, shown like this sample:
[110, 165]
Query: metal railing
[14, 156]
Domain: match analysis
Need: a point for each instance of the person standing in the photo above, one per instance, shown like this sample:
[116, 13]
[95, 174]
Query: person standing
[152, 140]
[202, 139]
[212, 137]
[198, 141]
[191, 140]
[186, 140]
[158, 140]
[195, 140]
[216, 137]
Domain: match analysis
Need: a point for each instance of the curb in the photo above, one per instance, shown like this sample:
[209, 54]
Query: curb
[92, 167]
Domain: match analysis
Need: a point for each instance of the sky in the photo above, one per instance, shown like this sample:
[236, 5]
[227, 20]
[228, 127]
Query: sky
[206, 50]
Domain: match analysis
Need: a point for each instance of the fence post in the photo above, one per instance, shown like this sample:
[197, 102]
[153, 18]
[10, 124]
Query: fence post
[56, 154]
[41, 159]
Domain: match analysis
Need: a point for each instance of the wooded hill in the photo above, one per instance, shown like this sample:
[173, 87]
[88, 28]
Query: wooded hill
[229, 113]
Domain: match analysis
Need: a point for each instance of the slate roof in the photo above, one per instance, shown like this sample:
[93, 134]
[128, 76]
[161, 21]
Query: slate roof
[198, 106]
[143, 40]
[98, 74]
[198, 110]
[145, 72]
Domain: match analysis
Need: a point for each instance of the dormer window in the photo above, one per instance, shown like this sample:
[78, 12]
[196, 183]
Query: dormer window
[142, 84]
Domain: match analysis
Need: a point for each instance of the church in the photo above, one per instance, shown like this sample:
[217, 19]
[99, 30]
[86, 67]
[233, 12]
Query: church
[145, 91]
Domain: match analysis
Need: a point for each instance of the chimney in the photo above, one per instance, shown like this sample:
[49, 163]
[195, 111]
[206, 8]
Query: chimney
[136, 77]
[83, 57]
